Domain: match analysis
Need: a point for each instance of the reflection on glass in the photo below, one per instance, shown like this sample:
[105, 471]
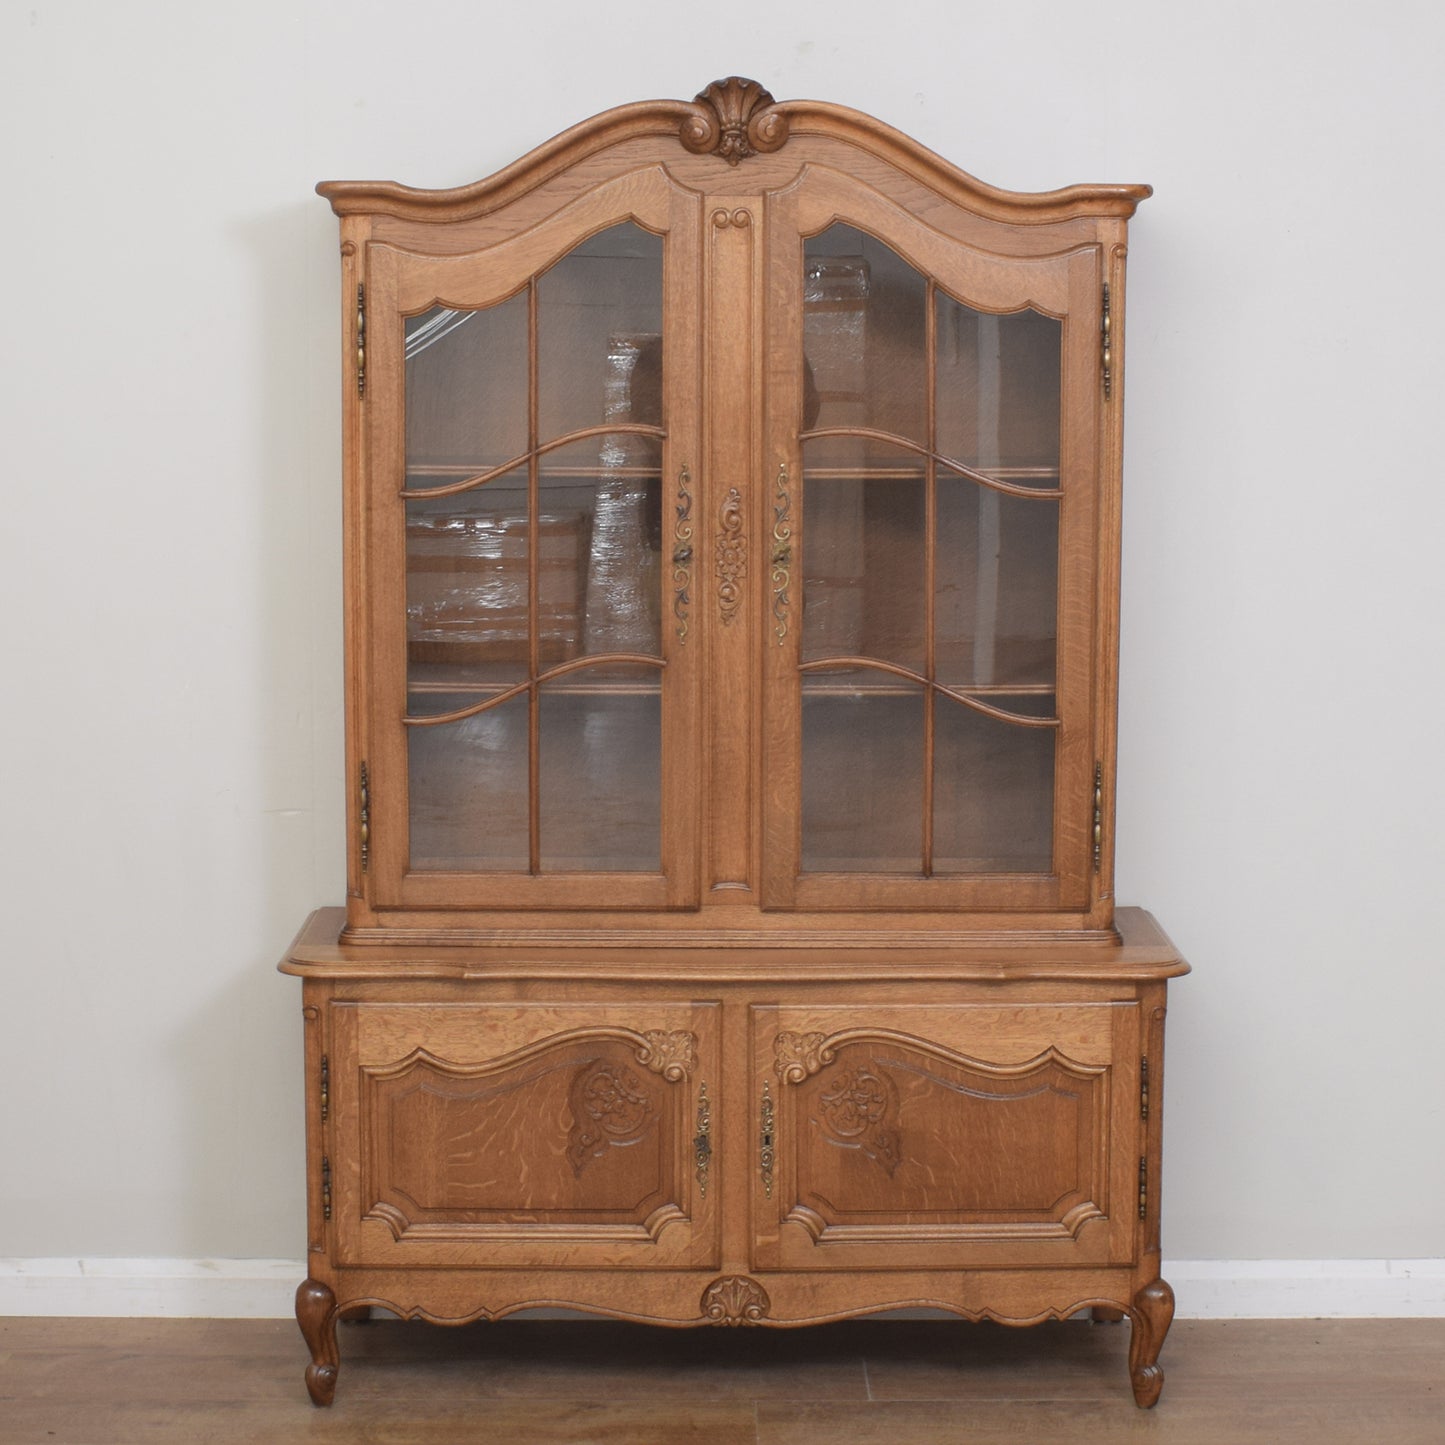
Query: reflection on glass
[862, 773]
[993, 790]
[907, 560]
[614, 484]
[863, 567]
[555, 560]
[601, 803]
[466, 589]
[468, 787]
[998, 391]
[996, 586]
[863, 334]
[466, 391]
[599, 334]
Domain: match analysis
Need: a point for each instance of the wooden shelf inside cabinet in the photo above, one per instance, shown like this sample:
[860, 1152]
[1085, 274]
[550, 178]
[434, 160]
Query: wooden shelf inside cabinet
[732, 524]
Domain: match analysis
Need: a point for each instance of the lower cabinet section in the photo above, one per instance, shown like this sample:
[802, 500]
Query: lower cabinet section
[761, 1152]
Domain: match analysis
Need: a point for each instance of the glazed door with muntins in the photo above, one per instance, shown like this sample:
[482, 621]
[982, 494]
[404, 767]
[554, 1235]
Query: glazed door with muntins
[531, 426]
[933, 465]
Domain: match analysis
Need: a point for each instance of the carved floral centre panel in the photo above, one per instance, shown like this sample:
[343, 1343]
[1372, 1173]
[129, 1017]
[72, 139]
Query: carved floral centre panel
[581, 1130]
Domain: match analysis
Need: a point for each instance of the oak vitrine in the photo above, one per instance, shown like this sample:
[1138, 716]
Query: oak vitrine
[732, 523]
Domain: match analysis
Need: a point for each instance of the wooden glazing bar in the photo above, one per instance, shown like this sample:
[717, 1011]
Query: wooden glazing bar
[474, 476]
[994, 480]
[930, 562]
[966, 697]
[534, 510]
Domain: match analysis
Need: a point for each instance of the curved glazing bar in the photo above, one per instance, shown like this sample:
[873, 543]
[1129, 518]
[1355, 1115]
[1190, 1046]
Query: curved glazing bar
[964, 696]
[999, 479]
[507, 693]
[480, 479]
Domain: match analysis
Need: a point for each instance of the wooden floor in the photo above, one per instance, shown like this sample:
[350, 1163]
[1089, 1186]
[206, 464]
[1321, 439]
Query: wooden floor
[215, 1382]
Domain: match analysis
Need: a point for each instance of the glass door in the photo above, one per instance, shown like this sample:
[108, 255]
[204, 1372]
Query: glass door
[929, 698]
[533, 687]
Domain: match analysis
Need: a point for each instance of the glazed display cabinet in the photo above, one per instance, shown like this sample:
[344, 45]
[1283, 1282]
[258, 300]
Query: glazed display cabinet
[731, 548]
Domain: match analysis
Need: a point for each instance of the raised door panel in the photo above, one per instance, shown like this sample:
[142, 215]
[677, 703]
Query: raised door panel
[952, 1137]
[524, 1135]
[934, 461]
[530, 685]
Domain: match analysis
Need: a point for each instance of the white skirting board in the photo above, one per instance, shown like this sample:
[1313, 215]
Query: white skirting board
[264, 1288]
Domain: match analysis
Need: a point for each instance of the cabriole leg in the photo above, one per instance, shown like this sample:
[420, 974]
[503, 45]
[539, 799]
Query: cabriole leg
[1150, 1314]
[316, 1314]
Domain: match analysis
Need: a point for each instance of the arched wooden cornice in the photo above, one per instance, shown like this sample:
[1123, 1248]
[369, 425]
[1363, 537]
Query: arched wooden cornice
[732, 119]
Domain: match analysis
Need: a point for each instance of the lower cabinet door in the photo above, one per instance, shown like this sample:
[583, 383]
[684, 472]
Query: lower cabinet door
[966, 1136]
[523, 1135]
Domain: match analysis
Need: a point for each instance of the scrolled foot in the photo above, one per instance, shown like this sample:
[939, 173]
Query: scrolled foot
[321, 1383]
[1151, 1314]
[316, 1314]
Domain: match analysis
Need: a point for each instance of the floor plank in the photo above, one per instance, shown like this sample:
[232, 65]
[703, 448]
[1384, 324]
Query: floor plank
[530, 1382]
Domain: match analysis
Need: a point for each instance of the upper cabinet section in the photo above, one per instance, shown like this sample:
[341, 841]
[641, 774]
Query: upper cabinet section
[732, 512]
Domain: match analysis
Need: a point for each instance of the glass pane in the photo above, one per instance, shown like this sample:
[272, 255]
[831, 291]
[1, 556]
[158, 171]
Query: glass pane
[466, 592]
[468, 788]
[601, 775]
[466, 391]
[998, 392]
[864, 568]
[996, 586]
[862, 773]
[601, 566]
[993, 790]
[599, 341]
[864, 347]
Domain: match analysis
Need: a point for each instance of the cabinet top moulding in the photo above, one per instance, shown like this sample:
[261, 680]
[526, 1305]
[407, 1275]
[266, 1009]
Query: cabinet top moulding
[732, 120]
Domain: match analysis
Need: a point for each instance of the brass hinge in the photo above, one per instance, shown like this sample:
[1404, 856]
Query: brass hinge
[1098, 815]
[1143, 1088]
[1106, 344]
[363, 817]
[702, 1141]
[325, 1188]
[1143, 1187]
[325, 1088]
[361, 340]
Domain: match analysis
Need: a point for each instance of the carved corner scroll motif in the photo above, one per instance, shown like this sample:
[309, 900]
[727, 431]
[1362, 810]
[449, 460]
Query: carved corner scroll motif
[735, 1300]
[733, 119]
[669, 1053]
[799, 1056]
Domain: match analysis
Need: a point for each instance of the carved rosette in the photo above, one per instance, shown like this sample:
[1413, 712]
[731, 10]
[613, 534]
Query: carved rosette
[669, 1053]
[610, 1108]
[733, 119]
[732, 555]
[799, 1056]
[735, 1300]
[859, 1108]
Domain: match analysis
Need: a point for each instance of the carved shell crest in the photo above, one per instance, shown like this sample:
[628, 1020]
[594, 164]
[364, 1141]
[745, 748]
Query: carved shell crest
[735, 1300]
[733, 119]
